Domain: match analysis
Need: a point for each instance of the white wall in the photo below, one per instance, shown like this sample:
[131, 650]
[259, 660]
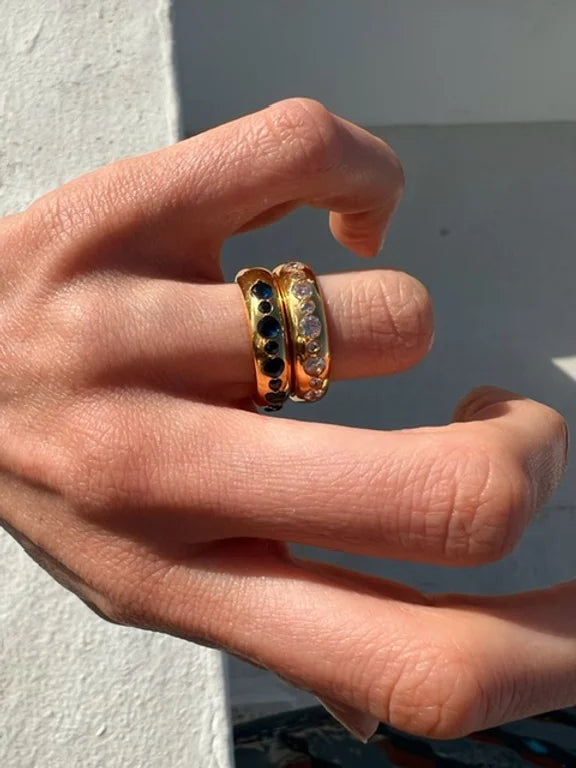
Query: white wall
[84, 82]
[380, 62]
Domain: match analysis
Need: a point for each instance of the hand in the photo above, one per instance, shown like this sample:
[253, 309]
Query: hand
[136, 472]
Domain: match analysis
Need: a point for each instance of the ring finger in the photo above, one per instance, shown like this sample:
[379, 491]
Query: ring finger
[193, 338]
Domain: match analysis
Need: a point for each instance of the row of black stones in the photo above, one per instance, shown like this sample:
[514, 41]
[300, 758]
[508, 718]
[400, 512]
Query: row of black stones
[269, 328]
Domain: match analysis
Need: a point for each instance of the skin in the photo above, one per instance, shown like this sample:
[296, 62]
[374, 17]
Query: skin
[135, 470]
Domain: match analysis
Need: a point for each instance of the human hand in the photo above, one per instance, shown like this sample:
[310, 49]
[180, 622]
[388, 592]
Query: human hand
[136, 472]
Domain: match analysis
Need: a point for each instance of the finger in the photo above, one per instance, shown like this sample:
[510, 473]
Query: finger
[179, 335]
[360, 724]
[184, 200]
[460, 494]
[438, 667]
[527, 437]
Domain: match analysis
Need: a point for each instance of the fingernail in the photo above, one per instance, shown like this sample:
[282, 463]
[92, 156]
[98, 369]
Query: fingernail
[359, 724]
[432, 339]
[382, 241]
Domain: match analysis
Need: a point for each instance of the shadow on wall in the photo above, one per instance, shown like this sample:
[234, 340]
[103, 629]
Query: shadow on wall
[487, 223]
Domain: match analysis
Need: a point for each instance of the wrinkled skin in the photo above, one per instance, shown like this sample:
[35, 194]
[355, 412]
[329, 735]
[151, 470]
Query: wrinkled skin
[135, 470]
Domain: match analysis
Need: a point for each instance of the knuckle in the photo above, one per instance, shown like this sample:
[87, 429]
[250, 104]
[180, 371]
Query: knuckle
[136, 604]
[108, 464]
[491, 496]
[151, 598]
[467, 504]
[308, 133]
[60, 216]
[422, 683]
[78, 323]
[505, 503]
[435, 692]
[88, 219]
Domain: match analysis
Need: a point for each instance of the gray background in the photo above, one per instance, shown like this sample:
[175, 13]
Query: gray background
[487, 222]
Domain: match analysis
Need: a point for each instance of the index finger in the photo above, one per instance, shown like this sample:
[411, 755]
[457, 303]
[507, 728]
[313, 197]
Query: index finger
[243, 174]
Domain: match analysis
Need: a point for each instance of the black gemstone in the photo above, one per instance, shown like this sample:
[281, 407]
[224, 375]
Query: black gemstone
[271, 347]
[276, 398]
[265, 307]
[275, 384]
[261, 290]
[269, 327]
[273, 367]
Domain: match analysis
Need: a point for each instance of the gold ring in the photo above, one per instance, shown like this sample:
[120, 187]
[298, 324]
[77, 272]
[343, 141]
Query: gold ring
[272, 363]
[307, 331]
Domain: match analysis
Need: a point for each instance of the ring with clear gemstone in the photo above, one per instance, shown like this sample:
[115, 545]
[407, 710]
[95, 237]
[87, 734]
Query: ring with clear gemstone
[294, 266]
[314, 366]
[307, 307]
[313, 347]
[316, 383]
[310, 326]
[303, 289]
[312, 395]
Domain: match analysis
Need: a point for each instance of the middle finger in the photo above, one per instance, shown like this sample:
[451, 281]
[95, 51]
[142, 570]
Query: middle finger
[460, 494]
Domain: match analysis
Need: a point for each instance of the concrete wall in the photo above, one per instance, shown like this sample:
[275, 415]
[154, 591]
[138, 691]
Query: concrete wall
[487, 221]
[83, 83]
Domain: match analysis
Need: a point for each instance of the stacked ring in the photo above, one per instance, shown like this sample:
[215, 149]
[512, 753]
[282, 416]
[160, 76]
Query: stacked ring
[266, 321]
[307, 331]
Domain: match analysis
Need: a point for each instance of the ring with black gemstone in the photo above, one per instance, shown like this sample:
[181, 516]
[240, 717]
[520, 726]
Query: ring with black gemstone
[267, 328]
[307, 331]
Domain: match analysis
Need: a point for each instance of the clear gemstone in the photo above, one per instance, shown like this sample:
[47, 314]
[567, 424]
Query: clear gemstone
[302, 289]
[314, 366]
[313, 347]
[307, 307]
[312, 395]
[294, 266]
[310, 326]
[316, 383]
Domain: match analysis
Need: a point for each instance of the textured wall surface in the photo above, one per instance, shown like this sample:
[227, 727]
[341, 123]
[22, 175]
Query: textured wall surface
[81, 84]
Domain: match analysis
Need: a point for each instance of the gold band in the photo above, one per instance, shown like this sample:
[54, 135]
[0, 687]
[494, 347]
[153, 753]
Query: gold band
[272, 362]
[307, 331]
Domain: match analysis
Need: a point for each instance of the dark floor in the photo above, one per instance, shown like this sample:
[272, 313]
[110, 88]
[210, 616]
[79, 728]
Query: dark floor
[310, 738]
